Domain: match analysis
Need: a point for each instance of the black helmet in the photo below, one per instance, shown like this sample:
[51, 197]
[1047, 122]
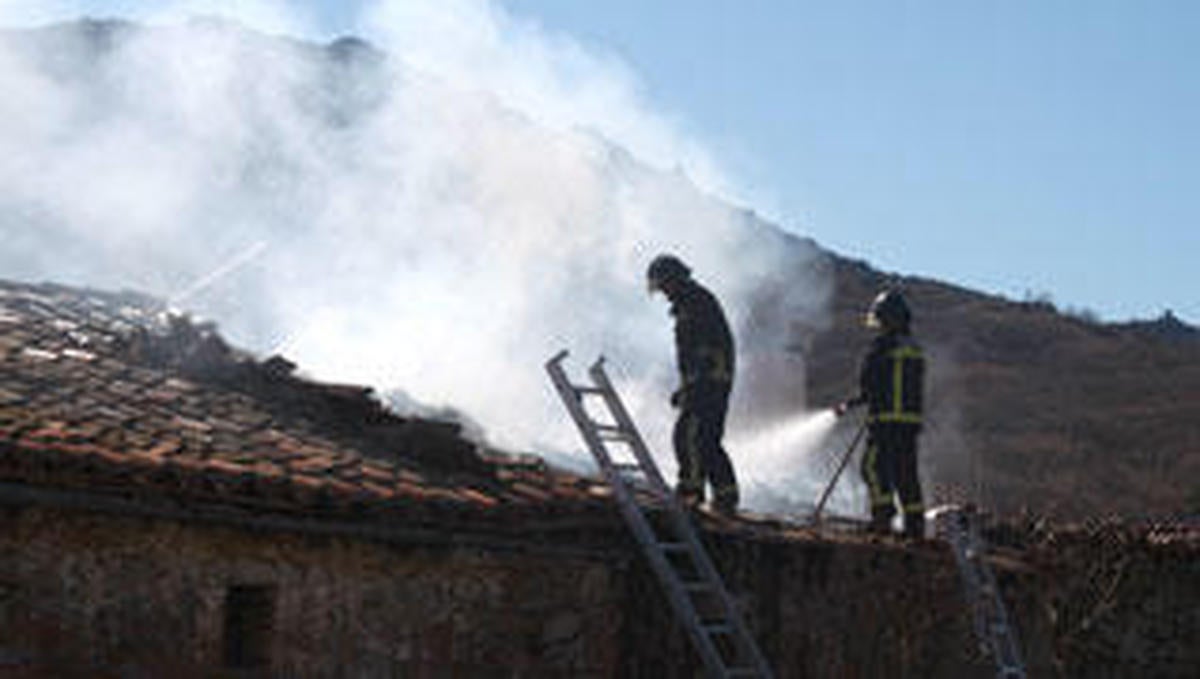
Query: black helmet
[889, 311]
[666, 268]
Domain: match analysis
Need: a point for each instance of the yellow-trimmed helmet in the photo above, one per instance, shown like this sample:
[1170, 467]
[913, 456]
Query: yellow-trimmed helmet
[889, 311]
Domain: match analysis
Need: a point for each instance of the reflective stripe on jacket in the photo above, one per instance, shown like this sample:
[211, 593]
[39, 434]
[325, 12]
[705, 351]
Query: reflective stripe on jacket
[891, 379]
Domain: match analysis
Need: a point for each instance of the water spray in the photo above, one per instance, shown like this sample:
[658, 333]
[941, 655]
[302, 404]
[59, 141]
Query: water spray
[225, 269]
[774, 462]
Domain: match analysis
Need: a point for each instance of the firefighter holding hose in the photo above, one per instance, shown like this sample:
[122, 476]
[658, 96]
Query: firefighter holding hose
[890, 386]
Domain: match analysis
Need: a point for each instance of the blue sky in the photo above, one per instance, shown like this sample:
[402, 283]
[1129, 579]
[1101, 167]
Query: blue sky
[1043, 147]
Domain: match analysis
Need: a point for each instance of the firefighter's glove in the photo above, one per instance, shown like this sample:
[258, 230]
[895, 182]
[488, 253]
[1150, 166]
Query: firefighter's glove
[846, 406]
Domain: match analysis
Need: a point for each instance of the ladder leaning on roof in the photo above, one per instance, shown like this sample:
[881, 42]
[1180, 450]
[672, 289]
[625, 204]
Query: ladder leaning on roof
[684, 569]
[996, 634]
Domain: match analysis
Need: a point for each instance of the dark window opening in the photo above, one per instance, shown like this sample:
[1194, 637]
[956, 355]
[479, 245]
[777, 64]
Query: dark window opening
[249, 622]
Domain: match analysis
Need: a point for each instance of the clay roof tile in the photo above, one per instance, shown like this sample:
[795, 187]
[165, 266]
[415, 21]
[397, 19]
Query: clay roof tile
[88, 392]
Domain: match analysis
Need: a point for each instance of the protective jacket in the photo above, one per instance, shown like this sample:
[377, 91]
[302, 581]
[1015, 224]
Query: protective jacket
[890, 381]
[704, 347]
[703, 342]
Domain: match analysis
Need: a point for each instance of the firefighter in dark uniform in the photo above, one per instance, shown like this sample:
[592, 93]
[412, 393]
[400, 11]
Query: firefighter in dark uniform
[704, 348]
[890, 385]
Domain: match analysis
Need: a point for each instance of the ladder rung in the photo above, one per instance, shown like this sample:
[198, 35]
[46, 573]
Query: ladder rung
[627, 467]
[611, 433]
[588, 391]
[674, 547]
[698, 586]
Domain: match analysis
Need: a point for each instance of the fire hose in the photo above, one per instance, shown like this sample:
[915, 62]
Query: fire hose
[816, 517]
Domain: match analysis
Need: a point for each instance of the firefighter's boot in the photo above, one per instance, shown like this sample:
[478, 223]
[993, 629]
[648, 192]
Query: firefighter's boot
[914, 525]
[881, 519]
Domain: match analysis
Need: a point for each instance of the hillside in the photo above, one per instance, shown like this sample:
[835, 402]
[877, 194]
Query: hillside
[1032, 408]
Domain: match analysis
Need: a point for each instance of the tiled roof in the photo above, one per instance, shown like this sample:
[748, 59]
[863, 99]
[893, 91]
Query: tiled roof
[108, 393]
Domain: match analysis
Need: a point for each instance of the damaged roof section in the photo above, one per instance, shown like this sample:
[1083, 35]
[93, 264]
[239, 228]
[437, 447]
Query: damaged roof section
[109, 393]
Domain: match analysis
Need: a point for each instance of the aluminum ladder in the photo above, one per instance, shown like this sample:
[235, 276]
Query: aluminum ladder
[996, 634]
[693, 586]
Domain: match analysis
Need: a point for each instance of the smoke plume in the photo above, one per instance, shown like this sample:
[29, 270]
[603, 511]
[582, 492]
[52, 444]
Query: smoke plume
[434, 212]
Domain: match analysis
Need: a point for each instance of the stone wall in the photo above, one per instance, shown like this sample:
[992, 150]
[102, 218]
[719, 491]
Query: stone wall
[93, 595]
[825, 608]
[1118, 600]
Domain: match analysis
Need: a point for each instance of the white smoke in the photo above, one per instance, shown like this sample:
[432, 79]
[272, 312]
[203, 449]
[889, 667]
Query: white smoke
[439, 220]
